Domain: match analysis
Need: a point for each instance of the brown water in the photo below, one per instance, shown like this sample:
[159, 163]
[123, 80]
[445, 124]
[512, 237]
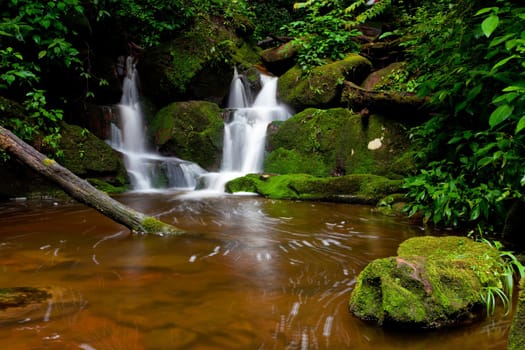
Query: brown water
[250, 274]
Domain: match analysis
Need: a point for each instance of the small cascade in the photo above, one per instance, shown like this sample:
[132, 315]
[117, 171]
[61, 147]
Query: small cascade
[245, 133]
[146, 169]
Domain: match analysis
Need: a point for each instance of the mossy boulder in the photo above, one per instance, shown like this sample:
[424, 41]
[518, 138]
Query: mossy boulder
[336, 142]
[197, 65]
[433, 282]
[383, 77]
[191, 130]
[363, 189]
[323, 85]
[89, 157]
[279, 59]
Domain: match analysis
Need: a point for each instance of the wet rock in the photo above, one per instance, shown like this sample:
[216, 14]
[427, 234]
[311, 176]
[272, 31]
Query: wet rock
[434, 282]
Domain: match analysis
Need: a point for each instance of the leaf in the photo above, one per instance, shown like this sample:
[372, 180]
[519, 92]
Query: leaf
[500, 114]
[489, 25]
[521, 125]
[503, 61]
[42, 53]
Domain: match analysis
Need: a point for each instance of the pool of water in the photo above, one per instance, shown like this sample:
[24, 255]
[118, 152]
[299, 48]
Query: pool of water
[250, 273]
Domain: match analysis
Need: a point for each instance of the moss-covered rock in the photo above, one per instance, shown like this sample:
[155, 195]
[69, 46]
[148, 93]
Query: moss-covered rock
[190, 130]
[336, 142]
[323, 86]
[89, 157]
[434, 282]
[517, 330]
[383, 77]
[279, 59]
[197, 65]
[364, 189]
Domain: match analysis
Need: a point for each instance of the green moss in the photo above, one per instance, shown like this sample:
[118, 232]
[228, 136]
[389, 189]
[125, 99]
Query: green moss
[107, 187]
[517, 330]
[88, 156]
[433, 282]
[323, 85]
[350, 188]
[190, 130]
[155, 226]
[322, 142]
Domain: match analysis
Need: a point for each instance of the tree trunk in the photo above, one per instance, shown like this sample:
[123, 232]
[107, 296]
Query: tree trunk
[407, 105]
[80, 189]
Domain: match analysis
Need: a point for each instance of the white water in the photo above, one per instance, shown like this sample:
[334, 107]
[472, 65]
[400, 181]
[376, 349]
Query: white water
[245, 135]
[146, 169]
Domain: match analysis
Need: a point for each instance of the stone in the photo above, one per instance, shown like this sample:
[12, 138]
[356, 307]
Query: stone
[433, 282]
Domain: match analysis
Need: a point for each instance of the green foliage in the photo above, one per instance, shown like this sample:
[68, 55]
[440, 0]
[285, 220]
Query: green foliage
[469, 59]
[509, 266]
[35, 39]
[327, 29]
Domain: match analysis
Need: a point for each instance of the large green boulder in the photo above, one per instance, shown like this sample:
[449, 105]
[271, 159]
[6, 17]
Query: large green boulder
[338, 141]
[323, 85]
[190, 130]
[362, 189]
[433, 282]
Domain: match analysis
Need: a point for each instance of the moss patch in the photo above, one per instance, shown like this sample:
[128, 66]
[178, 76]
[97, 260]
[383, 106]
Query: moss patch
[323, 86]
[338, 141]
[517, 330]
[350, 188]
[190, 130]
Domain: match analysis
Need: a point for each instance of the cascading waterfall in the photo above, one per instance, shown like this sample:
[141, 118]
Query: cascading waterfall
[245, 134]
[147, 170]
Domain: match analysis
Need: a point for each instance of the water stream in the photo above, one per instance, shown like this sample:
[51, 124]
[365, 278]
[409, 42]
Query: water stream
[147, 170]
[250, 273]
[245, 134]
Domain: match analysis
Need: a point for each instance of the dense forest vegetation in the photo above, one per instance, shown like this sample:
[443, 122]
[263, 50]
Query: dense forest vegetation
[467, 56]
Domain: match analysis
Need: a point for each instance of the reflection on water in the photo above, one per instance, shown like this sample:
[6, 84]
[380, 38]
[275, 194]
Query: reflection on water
[250, 274]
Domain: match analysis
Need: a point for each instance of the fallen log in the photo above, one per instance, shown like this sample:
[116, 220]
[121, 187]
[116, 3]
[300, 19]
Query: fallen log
[80, 189]
[357, 98]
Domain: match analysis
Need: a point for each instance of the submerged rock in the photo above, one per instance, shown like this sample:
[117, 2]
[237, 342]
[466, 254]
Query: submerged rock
[26, 304]
[434, 282]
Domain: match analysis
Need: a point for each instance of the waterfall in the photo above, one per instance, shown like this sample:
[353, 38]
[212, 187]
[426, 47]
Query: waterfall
[146, 169]
[245, 132]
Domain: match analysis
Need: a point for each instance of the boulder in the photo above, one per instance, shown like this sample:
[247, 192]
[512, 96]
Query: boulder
[338, 141]
[279, 59]
[433, 282]
[323, 85]
[190, 130]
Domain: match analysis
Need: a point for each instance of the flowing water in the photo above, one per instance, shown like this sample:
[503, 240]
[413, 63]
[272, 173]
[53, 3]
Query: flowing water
[250, 273]
[245, 134]
[147, 170]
